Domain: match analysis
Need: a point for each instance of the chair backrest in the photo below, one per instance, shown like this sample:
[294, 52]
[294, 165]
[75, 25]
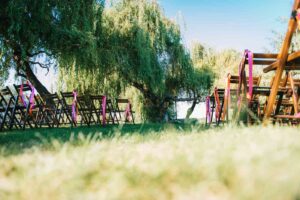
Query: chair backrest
[121, 101]
[256, 80]
[6, 92]
[83, 102]
[51, 99]
[96, 101]
[96, 97]
[121, 104]
[67, 98]
[26, 88]
[27, 92]
[5, 96]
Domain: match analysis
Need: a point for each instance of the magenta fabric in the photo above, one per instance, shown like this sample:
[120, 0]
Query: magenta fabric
[208, 110]
[74, 106]
[104, 110]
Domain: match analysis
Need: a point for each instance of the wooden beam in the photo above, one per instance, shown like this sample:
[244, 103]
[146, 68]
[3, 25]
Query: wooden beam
[282, 59]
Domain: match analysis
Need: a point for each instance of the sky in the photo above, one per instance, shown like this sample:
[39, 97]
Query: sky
[237, 24]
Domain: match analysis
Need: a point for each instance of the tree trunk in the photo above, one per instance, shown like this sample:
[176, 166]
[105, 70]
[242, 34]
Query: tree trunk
[155, 111]
[155, 107]
[192, 108]
[42, 90]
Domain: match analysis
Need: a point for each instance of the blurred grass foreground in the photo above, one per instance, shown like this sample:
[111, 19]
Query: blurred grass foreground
[151, 162]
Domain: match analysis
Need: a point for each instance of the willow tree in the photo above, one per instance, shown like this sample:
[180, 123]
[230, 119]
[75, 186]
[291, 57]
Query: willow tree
[151, 56]
[138, 46]
[40, 34]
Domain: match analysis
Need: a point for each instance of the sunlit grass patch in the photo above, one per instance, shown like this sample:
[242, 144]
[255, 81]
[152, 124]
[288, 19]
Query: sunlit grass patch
[170, 163]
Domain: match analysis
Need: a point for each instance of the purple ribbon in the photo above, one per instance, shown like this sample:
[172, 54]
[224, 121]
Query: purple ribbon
[208, 114]
[74, 106]
[104, 110]
[128, 111]
[31, 98]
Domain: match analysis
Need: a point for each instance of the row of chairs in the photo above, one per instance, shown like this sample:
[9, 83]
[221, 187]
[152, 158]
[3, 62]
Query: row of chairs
[25, 109]
[286, 108]
[277, 102]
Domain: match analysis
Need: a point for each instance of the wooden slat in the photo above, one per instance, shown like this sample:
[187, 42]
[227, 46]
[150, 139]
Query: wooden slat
[271, 67]
[186, 99]
[290, 65]
[265, 55]
[282, 59]
[295, 98]
[294, 56]
[295, 67]
[262, 62]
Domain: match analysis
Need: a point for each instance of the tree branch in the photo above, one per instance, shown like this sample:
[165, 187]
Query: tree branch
[44, 66]
[37, 53]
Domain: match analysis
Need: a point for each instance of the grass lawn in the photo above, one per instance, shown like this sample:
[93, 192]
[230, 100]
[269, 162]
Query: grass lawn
[151, 162]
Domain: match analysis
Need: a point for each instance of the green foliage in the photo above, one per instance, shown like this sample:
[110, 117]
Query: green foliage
[220, 63]
[139, 47]
[45, 30]
[130, 43]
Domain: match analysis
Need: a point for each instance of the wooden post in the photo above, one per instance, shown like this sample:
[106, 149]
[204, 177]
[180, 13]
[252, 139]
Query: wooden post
[226, 99]
[295, 95]
[282, 58]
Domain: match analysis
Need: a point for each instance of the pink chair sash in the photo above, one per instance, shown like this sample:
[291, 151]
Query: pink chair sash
[128, 112]
[74, 106]
[208, 110]
[104, 110]
[31, 98]
[21, 96]
[249, 54]
[218, 105]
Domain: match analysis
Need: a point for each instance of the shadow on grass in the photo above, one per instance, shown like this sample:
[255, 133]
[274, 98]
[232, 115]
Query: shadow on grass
[15, 142]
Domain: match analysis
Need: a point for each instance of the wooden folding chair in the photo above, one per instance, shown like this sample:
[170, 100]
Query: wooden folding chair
[210, 105]
[85, 110]
[52, 110]
[96, 109]
[111, 112]
[69, 108]
[124, 110]
[103, 110]
[217, 99]
[222, 97]
[26, 103]
[290, 106]
[7, 100]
